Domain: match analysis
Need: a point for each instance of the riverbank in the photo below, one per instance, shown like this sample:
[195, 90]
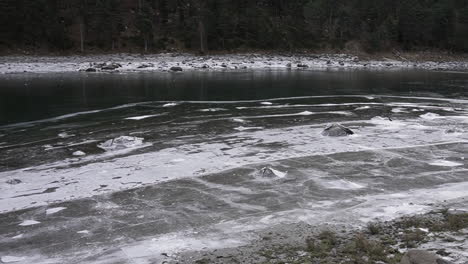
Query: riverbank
[440, 235]
[225, 62]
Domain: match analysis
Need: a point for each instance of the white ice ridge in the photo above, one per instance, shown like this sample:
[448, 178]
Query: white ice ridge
[172, 103]
[224, 152]
[70, 115]
[141, 117]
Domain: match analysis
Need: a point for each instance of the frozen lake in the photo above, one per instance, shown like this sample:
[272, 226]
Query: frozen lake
[137, 167]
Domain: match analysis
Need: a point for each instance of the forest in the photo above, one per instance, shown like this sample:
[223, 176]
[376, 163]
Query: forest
[81, 26]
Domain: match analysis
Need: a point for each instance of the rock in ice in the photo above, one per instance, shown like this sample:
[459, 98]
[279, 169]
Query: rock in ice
[122, 142]
[337, 130]
[13, 181]
[268, 172]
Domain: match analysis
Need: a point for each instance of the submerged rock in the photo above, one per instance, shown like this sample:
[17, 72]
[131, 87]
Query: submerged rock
[422, 257]
[337, 130]
[122, 142]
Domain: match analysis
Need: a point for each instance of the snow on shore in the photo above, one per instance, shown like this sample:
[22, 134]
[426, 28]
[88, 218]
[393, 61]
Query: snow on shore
[164, 62]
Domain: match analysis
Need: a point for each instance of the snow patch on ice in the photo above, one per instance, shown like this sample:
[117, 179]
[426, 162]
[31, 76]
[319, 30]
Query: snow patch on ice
[341, 185]
[79, 153]
[29, 223]
[445, 163]
[65, 135]
[177, 243]
[430, 116]
[54, 210]
[278, 173]
[11, 259]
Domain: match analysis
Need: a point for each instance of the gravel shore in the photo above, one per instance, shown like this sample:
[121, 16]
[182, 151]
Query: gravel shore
[186, 62]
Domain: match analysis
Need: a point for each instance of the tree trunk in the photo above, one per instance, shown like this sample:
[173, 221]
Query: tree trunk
[201, 31]
[81, 36]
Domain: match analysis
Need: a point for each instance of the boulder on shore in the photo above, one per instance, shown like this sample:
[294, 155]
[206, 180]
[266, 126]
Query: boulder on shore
[146, 65]
[111, 66]
[422, 257]
[337, 130]
[176, 69]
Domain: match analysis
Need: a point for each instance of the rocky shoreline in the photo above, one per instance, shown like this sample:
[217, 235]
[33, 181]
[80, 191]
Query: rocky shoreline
[176, 62]
[440, 236]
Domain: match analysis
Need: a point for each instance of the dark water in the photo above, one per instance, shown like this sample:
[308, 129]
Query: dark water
[26, 97]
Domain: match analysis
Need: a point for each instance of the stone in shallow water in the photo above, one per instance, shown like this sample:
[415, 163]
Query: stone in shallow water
[422, 257]
[337, 130]
[122, 142]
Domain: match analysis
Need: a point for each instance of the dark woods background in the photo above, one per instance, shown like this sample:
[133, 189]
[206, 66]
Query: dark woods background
[230, 25]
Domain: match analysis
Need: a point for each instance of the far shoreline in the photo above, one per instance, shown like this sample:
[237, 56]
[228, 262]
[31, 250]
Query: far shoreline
[164, 62]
